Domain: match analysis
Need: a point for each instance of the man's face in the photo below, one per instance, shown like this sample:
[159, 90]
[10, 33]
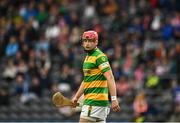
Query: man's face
[89, 44]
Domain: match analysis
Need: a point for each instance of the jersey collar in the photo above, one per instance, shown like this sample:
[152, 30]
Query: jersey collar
[92, 51]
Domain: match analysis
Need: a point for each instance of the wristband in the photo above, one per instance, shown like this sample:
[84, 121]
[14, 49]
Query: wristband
[113, 98]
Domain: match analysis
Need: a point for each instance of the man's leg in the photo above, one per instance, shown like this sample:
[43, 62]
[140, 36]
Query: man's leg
[91, 119]
[84, 120]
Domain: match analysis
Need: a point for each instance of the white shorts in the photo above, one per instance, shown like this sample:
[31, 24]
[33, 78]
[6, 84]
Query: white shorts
[94, 113]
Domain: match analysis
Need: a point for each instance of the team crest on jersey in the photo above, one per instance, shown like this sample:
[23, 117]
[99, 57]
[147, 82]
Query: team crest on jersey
[103, 59]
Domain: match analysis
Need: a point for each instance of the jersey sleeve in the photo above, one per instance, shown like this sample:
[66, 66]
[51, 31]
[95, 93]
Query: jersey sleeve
[103, 63]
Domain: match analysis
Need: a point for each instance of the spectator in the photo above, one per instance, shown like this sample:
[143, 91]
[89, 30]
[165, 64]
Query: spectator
[4, 97]
[42, 14]
[10, 70]
[140, 107]
[123, 87]
[12, 47]
[35, 87]
[152, 81]
[21, 88]
[139, 75]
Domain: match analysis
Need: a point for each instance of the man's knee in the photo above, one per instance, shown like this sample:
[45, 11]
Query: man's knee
[85, 120]
[91, 119]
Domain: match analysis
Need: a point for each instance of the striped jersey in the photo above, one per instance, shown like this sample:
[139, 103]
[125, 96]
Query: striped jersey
[95, 84]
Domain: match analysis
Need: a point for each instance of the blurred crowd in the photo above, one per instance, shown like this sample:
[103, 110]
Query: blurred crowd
[40, 47]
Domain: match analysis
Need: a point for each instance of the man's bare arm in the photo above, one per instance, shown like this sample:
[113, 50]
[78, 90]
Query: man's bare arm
[80, 90]
[111, 82]
[112, 88]
[78, 94]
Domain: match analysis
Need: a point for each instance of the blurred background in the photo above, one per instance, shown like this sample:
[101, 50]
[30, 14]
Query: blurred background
[40, 53]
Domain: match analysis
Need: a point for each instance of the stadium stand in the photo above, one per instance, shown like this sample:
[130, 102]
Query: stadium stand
[40, 53]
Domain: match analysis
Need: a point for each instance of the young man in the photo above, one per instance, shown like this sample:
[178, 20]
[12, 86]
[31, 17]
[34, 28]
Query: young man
[98, 81]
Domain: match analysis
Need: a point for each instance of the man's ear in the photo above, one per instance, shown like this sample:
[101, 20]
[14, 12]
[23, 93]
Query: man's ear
[82, 44]
[96, 42]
